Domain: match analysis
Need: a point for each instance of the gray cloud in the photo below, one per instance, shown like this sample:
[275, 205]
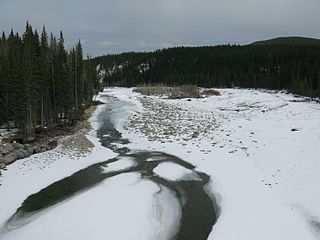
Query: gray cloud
[107, 43]
[109, 26]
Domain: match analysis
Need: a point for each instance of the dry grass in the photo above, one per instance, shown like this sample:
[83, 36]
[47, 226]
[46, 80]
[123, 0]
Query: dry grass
[185, 91]
[160, 90]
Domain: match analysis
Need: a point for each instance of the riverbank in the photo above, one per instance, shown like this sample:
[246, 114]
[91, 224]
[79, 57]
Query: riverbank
[127, 196]
[261, 150]
[11, 151]
[73, 153]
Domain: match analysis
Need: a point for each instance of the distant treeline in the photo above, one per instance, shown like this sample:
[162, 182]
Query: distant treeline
[41, 83]
[292, 67]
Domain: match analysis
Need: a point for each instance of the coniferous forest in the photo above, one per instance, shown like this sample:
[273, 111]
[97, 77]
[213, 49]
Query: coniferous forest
[41, 83]
[294, 67]
[44, 85]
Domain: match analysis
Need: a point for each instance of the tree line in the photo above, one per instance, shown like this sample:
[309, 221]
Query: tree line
[294, 67]
[41, 83]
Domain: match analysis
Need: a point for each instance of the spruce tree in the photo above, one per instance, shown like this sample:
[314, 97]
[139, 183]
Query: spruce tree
[41, 84]
[45, 79]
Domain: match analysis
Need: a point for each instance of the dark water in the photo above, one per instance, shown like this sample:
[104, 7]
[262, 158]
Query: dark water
[199, 212]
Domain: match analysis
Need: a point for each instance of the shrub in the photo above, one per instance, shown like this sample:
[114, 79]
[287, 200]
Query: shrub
[210, 92]
[184, 91]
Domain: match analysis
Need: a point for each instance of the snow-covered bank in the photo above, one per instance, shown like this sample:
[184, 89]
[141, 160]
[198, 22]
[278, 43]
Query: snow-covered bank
[27, 176]
[265, 172]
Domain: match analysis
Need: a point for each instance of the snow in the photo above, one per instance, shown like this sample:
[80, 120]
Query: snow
[266, 176]
[155, 159]
[174, 172]
[120, 165]
[101, 72]
[29, 175]
[121, 113]
[143, 67]
[121, 207]
[93, 215]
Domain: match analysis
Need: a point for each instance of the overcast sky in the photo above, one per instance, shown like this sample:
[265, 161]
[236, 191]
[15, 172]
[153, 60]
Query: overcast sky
[112, 26]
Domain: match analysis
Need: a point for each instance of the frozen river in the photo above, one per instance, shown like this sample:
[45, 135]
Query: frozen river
[180, 188]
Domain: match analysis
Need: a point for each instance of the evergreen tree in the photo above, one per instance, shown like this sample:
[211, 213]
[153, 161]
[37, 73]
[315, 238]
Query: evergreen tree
[45, 79]
[32, 76]
[41, 84]
[291, 67]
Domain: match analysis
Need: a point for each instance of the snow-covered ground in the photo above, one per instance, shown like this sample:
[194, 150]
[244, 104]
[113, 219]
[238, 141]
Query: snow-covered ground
[118, 208]
[265, 176]
[122, 207]
[261, 149]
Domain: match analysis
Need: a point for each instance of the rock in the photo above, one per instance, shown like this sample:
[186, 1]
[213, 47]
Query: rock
[52, 144]
[22, 153]
[36, 149]
[26, 153]
[6, 148]
[23, 139]
[30, 150]
[2, 165]
[10, 158]
[29, 139]
[6, 140]
[195, 135]
[40, 148]
[17, 145]
[18, 154]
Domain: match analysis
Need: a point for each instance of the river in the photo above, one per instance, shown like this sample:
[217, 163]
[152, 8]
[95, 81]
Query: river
[199, 211]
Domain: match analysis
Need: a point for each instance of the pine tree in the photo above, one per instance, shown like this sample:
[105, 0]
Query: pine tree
[39, 80]
[79, 81]
[14, 79]
[45, 79]
[32, 77]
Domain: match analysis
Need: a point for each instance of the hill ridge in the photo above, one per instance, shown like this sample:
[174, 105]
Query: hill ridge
[289, 40]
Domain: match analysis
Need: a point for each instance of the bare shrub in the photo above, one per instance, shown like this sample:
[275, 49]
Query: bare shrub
[184, 91]
[153, 90]
[210, 92]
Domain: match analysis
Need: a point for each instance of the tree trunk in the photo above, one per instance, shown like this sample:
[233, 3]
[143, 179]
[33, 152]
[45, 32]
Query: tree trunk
[42, 110]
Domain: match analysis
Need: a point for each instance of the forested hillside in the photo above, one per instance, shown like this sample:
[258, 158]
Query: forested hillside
[295, 67]
[289, 41]
[41, 83]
